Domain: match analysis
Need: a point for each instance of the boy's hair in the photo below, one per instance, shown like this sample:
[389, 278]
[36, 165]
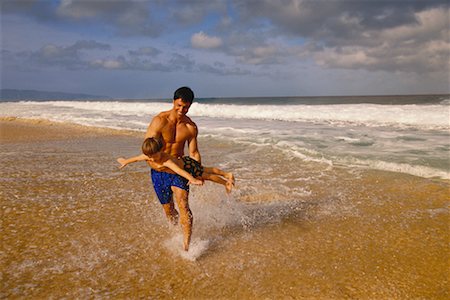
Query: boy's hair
[151, 146]
[185, 93]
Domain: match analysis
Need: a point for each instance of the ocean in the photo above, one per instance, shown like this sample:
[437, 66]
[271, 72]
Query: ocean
[406, 134]
[335, 198]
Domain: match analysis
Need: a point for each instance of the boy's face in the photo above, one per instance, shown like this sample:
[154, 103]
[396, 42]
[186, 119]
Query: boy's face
[181, 107]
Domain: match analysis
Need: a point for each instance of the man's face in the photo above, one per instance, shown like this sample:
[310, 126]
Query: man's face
[181, 107]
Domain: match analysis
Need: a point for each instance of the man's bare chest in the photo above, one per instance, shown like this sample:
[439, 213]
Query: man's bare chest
[176, 134]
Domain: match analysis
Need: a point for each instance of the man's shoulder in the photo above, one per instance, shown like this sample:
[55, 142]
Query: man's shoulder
[162, 117]
[163, 114]
[188, 121]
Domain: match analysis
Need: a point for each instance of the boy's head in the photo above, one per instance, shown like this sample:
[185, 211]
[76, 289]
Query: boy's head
[185, 94]
[151, 146]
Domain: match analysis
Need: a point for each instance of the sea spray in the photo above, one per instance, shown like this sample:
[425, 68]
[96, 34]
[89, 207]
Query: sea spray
[217, 213]
[197, 247]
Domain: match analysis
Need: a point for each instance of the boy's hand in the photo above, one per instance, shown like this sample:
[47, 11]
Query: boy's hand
[122, 163]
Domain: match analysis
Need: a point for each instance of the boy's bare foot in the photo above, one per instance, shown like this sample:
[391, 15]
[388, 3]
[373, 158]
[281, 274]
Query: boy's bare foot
[229, 186]
[230, 177]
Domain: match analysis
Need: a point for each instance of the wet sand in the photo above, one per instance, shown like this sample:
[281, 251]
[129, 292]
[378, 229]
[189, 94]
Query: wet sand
[74, 226]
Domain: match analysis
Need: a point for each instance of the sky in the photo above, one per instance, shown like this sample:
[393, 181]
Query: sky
[226, 48]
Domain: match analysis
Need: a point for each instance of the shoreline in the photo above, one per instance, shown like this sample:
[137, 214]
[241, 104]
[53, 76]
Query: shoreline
[15, 129]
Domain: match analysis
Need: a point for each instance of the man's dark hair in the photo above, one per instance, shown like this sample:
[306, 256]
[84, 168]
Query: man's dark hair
[185, 93]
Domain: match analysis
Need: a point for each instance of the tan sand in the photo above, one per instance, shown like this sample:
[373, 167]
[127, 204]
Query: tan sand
[74, 226]
[27, 130]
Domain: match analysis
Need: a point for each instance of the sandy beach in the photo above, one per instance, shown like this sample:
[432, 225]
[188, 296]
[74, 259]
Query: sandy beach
[75, 226]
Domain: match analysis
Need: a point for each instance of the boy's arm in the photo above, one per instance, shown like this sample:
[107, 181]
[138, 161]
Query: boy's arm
[174, 167]
[125, 161]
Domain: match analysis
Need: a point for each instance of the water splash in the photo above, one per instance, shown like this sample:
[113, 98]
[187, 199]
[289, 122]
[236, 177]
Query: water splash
[197, 248]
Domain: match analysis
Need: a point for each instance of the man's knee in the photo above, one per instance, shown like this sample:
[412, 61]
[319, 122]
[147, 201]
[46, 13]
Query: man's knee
[181, 196]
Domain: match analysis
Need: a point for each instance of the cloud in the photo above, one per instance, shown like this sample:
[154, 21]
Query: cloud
[69, 57]
[219, 68]
[407, 36]
[11, 5]
[90, 55]
[128, 63]
[202, 40]
[182, 62]
[392, 36]
[85, 55]
[341, 19]
[128, 18]
[193, 12]
[267, 54]
[145, 51]
[418, 47]
[109, 64]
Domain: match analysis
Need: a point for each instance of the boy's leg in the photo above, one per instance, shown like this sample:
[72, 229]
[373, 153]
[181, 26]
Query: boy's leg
[220, 180]
[214, 178]
[217, 171]
[186, 218]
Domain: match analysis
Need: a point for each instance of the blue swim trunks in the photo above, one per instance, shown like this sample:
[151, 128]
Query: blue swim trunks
[162, 183]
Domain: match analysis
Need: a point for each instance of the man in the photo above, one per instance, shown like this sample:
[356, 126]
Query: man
[175, 129]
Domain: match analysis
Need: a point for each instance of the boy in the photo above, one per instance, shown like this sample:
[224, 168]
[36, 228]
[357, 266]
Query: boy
[186, 166]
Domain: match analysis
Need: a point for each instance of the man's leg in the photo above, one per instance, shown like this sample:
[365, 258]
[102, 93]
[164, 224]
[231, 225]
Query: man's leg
[186, 218]
[171, 212]
[161, 185]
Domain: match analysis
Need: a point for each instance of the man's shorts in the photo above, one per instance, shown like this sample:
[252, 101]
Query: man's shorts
[162, 183]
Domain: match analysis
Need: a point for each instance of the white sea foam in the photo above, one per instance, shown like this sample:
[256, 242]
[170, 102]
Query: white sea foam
[108, 106]
[428, 116]
[366, 114]
[416, 170]
[445, 102]
[411, 135]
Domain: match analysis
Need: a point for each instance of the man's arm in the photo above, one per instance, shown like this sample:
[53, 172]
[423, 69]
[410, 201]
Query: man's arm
[154, 128]
[193, 146]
